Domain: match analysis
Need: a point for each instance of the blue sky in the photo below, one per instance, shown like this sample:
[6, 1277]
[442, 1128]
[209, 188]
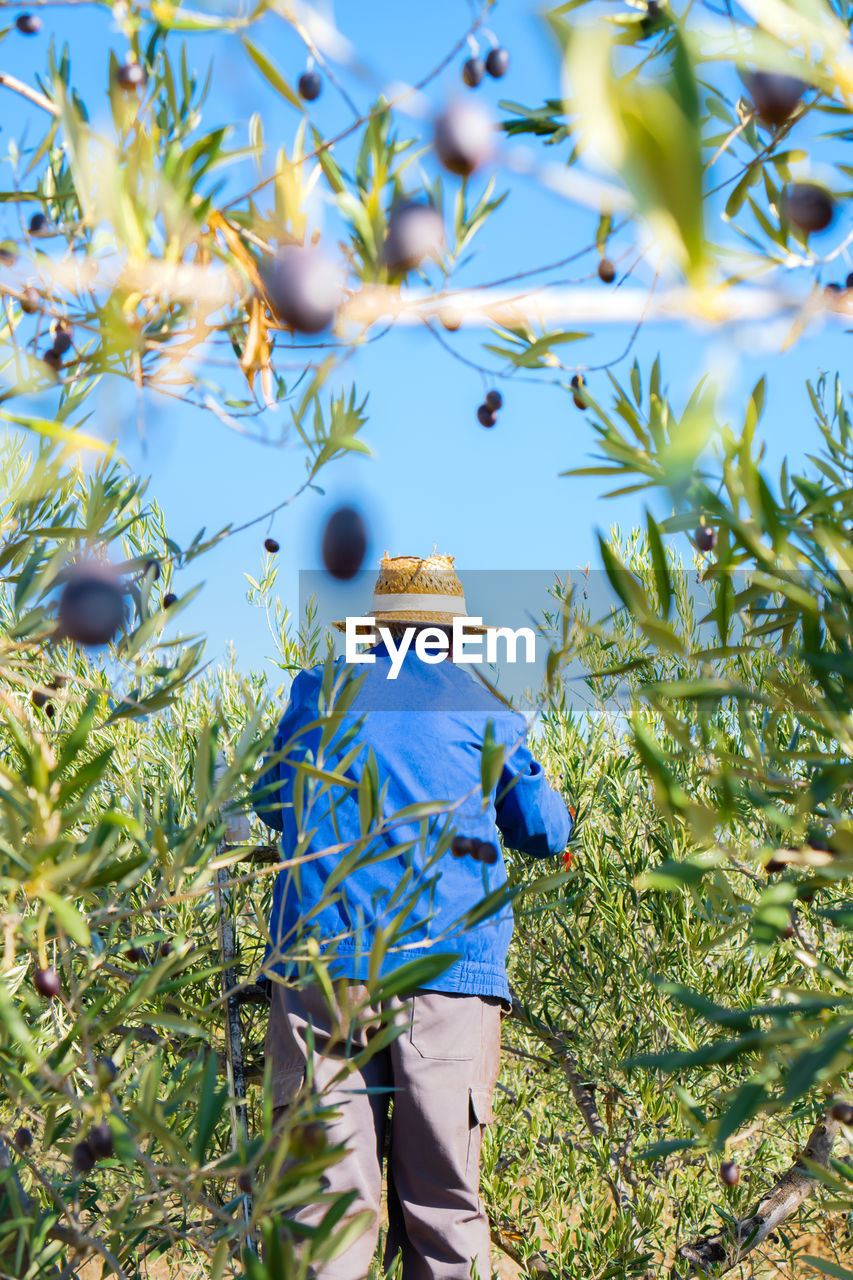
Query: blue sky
[493, 499]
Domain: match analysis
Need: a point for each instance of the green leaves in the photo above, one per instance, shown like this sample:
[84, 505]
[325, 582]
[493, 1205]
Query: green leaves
[212, 1100]
[826, 1267]
[772, 914]
[271, 73]
[334, 436]
[67, 916]
[647, 131]
[491, 761]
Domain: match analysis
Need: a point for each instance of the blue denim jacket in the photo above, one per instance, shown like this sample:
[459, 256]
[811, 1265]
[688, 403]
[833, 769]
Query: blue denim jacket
[423, 734]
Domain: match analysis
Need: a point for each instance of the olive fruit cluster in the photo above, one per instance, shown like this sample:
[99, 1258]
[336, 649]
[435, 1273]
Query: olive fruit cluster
[61, 333]
[479, 850]
[40, 699]
[487, 412]
[496, 65]
[97, 1145]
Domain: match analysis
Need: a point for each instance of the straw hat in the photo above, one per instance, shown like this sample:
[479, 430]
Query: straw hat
[412, 589]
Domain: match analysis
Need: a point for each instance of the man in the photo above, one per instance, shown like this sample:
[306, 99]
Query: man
[405, 741]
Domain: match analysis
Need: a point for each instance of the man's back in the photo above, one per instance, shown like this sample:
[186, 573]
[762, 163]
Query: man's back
[416, 740]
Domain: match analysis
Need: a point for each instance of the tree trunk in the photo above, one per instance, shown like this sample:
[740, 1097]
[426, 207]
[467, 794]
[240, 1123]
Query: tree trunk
[725, 1249]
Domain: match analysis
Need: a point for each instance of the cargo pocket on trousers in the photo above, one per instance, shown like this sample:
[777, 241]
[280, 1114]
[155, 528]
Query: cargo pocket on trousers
[480, 1114]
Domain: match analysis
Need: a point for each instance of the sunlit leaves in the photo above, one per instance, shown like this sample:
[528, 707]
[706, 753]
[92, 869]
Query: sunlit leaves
[647, 131]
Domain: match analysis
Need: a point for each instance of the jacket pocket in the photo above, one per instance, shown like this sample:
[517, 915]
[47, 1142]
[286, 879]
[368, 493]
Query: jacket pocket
[447, 1027]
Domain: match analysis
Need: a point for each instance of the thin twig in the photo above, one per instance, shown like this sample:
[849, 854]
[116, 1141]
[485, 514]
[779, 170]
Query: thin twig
[370, 115]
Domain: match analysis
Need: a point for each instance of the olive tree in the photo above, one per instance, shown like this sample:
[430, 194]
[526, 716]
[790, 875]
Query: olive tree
[681, 991]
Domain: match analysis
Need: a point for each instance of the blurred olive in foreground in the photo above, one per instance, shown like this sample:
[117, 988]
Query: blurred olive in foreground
[464, 137]
[304, 289]
[82, 1158]
[30, 300]
[775, 96]
[131, 76]
[808, 205]
[344, 543]
[415, 232]
[486, 852]
[100, 1141]
[61, 332]
[91, 607]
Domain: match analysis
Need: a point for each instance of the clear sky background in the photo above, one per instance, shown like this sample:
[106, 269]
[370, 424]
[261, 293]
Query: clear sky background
[494, 499]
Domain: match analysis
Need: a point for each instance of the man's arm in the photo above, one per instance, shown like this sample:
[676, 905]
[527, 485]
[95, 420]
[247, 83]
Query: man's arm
[278, 776]
[533, 818]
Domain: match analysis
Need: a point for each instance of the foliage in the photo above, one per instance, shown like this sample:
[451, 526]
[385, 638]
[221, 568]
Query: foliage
[683, 994]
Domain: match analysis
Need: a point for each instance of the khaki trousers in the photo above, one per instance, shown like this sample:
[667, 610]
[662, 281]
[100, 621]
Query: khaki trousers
[441, 1072]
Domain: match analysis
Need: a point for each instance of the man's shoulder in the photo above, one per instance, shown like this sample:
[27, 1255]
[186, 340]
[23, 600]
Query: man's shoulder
[305, 685]
[445, 687]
